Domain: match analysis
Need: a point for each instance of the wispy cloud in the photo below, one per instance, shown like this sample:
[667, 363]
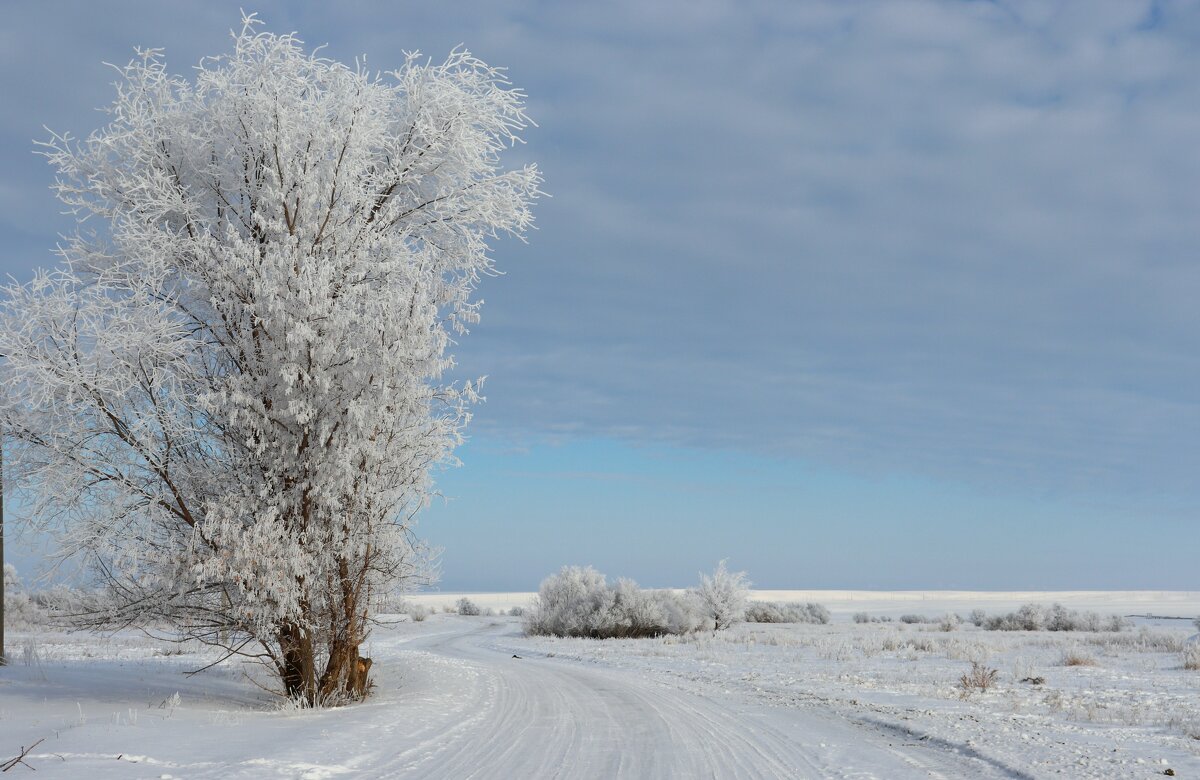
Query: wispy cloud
[956, 238]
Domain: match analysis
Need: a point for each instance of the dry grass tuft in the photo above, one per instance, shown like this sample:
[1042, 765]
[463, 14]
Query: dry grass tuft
[980, 678]
[1077, 658]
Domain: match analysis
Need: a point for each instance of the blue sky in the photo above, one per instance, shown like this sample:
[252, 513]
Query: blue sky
[891, 294]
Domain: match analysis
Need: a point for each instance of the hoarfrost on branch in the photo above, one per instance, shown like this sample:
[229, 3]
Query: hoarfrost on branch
[229, 395]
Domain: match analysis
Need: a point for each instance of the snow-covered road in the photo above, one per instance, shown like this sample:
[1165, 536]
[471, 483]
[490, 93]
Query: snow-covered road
[453, 702]
[479, 712]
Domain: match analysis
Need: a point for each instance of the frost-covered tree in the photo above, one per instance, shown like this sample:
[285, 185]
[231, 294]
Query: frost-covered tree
[229, 395]
[724, 594]
[12, 581]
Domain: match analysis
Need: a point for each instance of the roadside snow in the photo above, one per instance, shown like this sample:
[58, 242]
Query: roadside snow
[1135, 711]
[841, 700]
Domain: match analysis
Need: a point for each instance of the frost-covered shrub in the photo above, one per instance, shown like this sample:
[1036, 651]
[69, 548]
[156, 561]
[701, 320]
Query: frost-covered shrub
[1059, 618]
[465, 606]
[1035, 617]
[724, 595]
[913, 619]
[1031, 617]
[517, 612]
[20, 610]
[417, 612]
[389, 604]
[684, 611]
[634, 612]
[67, 601]
[863, 617]
[949, 622]
[637, 612]
[977, 617]
[578, 601]
[1002, 623]
[817, 613]
[786, 612]
[573, 602]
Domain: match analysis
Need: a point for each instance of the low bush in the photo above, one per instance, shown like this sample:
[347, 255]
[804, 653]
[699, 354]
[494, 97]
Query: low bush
[1191, 656]
[863, 617]
[579, 602]
[65, 601]
[949, 622]
[20, 609]
[980, 678]
[390, 604]
[913, 619]
[1035, 617]
[1076, 657]
[465, 606]
[786, 612]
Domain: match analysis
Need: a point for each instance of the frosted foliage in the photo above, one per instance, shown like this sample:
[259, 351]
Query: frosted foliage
[790, 612]
[1056, 617]
[11, 579]
[230, 397]
[579, 601]
[574, 602]
[723, 594]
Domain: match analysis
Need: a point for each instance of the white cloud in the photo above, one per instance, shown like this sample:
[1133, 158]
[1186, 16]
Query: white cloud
[954, 238]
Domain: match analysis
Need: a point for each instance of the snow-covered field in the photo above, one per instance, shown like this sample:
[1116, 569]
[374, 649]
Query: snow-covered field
[893, 603]
[842, 700]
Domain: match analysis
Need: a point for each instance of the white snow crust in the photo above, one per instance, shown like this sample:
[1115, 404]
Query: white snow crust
[878, 700]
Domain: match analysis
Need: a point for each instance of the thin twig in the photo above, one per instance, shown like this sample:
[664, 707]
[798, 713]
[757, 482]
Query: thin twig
[21, 758]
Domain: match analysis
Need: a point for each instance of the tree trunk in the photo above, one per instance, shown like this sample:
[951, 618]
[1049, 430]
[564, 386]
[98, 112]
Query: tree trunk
[298, 665]
[346, 676]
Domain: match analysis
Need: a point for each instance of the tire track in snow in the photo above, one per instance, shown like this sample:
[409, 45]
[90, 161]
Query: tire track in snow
[487, 715]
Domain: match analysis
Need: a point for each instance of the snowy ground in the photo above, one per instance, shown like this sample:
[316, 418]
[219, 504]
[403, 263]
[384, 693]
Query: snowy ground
[1134, 713]
[843, 700]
